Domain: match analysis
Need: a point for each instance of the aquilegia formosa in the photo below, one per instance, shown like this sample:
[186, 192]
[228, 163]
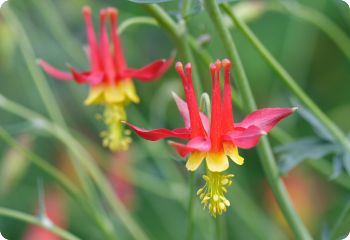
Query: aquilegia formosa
[217, 140]
[109, 77]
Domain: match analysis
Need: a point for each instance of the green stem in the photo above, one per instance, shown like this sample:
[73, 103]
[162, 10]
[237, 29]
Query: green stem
[49, 102]
[83, 158]
[33, 220]
[321, 166]
[134, 21]
[61, 179]
[190, 226]
[218, 228]
[288, 80]
[340, 220]
[264, 148]
[179, 34]
[335, 33]
[59, 30]
[41, 83]
[186, 5]
[29, 57]
[41, 164]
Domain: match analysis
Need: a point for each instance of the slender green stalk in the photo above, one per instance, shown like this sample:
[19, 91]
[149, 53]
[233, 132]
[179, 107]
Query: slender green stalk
[179, 34]
[51, 105]
[59, 30]
[335, 33]
[288, 80]
[218, 228]
[264, 148]
[340, 221]
[190, 225]
[41, 164]
[33, 220]
[61, 179]
[29, 57]
[84, 159]
[134, 21]
[325, 168]
[185, 8]
[41, 84]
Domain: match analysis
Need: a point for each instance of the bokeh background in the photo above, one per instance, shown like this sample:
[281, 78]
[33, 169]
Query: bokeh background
[150, 178]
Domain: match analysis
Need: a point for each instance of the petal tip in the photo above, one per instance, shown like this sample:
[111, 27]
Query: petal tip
[86, 10]
[294, 109]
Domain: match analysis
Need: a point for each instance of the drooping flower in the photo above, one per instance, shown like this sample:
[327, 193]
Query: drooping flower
[216, 140]
[109, 77]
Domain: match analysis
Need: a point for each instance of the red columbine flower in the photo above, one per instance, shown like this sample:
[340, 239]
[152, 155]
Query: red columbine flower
[109, 77]
[219, 140]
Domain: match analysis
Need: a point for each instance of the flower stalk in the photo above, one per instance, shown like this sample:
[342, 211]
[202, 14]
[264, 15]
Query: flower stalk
[36, 221]
[264, 149]
[288, 80]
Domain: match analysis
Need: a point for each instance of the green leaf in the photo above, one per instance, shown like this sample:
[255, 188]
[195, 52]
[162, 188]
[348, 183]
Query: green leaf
[292, 154]
[337, 166]
[318, 127]
[346, 162]
[325, 233]
[149, 1]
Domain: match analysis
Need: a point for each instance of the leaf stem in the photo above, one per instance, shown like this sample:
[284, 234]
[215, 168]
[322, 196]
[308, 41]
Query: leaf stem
[264, 148]
[61, 179]
[33, 220]
[179, 34]
[190, 225]
[83, 158]
[186, 5]
[340, 220]
[288, 80]
[335, 33]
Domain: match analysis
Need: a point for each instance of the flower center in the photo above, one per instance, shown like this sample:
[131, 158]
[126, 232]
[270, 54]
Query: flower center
[212, 193]
[116, 138]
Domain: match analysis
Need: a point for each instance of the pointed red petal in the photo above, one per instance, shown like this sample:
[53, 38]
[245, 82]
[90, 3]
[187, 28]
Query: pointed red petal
[196, 123]
[86, 77]
[197, 144]
[244, 137]
[119, 59]
[215, 126]
[227, 118]
[200, 144]
[105, 50]
[157, 134]
[78, 77]
[181, 149]
[183, 109]
[54, 72]
[93, 47]
[266, 118]
[151, 71]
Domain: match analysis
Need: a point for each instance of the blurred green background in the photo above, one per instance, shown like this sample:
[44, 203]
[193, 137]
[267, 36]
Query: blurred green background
[56, 32]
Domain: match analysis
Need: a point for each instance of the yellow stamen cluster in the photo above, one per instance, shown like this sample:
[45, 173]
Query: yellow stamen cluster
[212, 193]
[116, 137]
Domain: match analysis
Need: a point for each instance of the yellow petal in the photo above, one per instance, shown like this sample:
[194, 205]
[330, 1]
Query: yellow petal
[217, 161]
[232, 152]
[129, 91]
[95, 95]
[195, 160]
[114, 94]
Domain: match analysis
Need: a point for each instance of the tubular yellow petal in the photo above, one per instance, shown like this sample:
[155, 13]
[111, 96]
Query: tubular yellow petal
[217, 161]
[114, 94]
[232, 152]
[129, 91]
[195, 160]
[95, 95]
